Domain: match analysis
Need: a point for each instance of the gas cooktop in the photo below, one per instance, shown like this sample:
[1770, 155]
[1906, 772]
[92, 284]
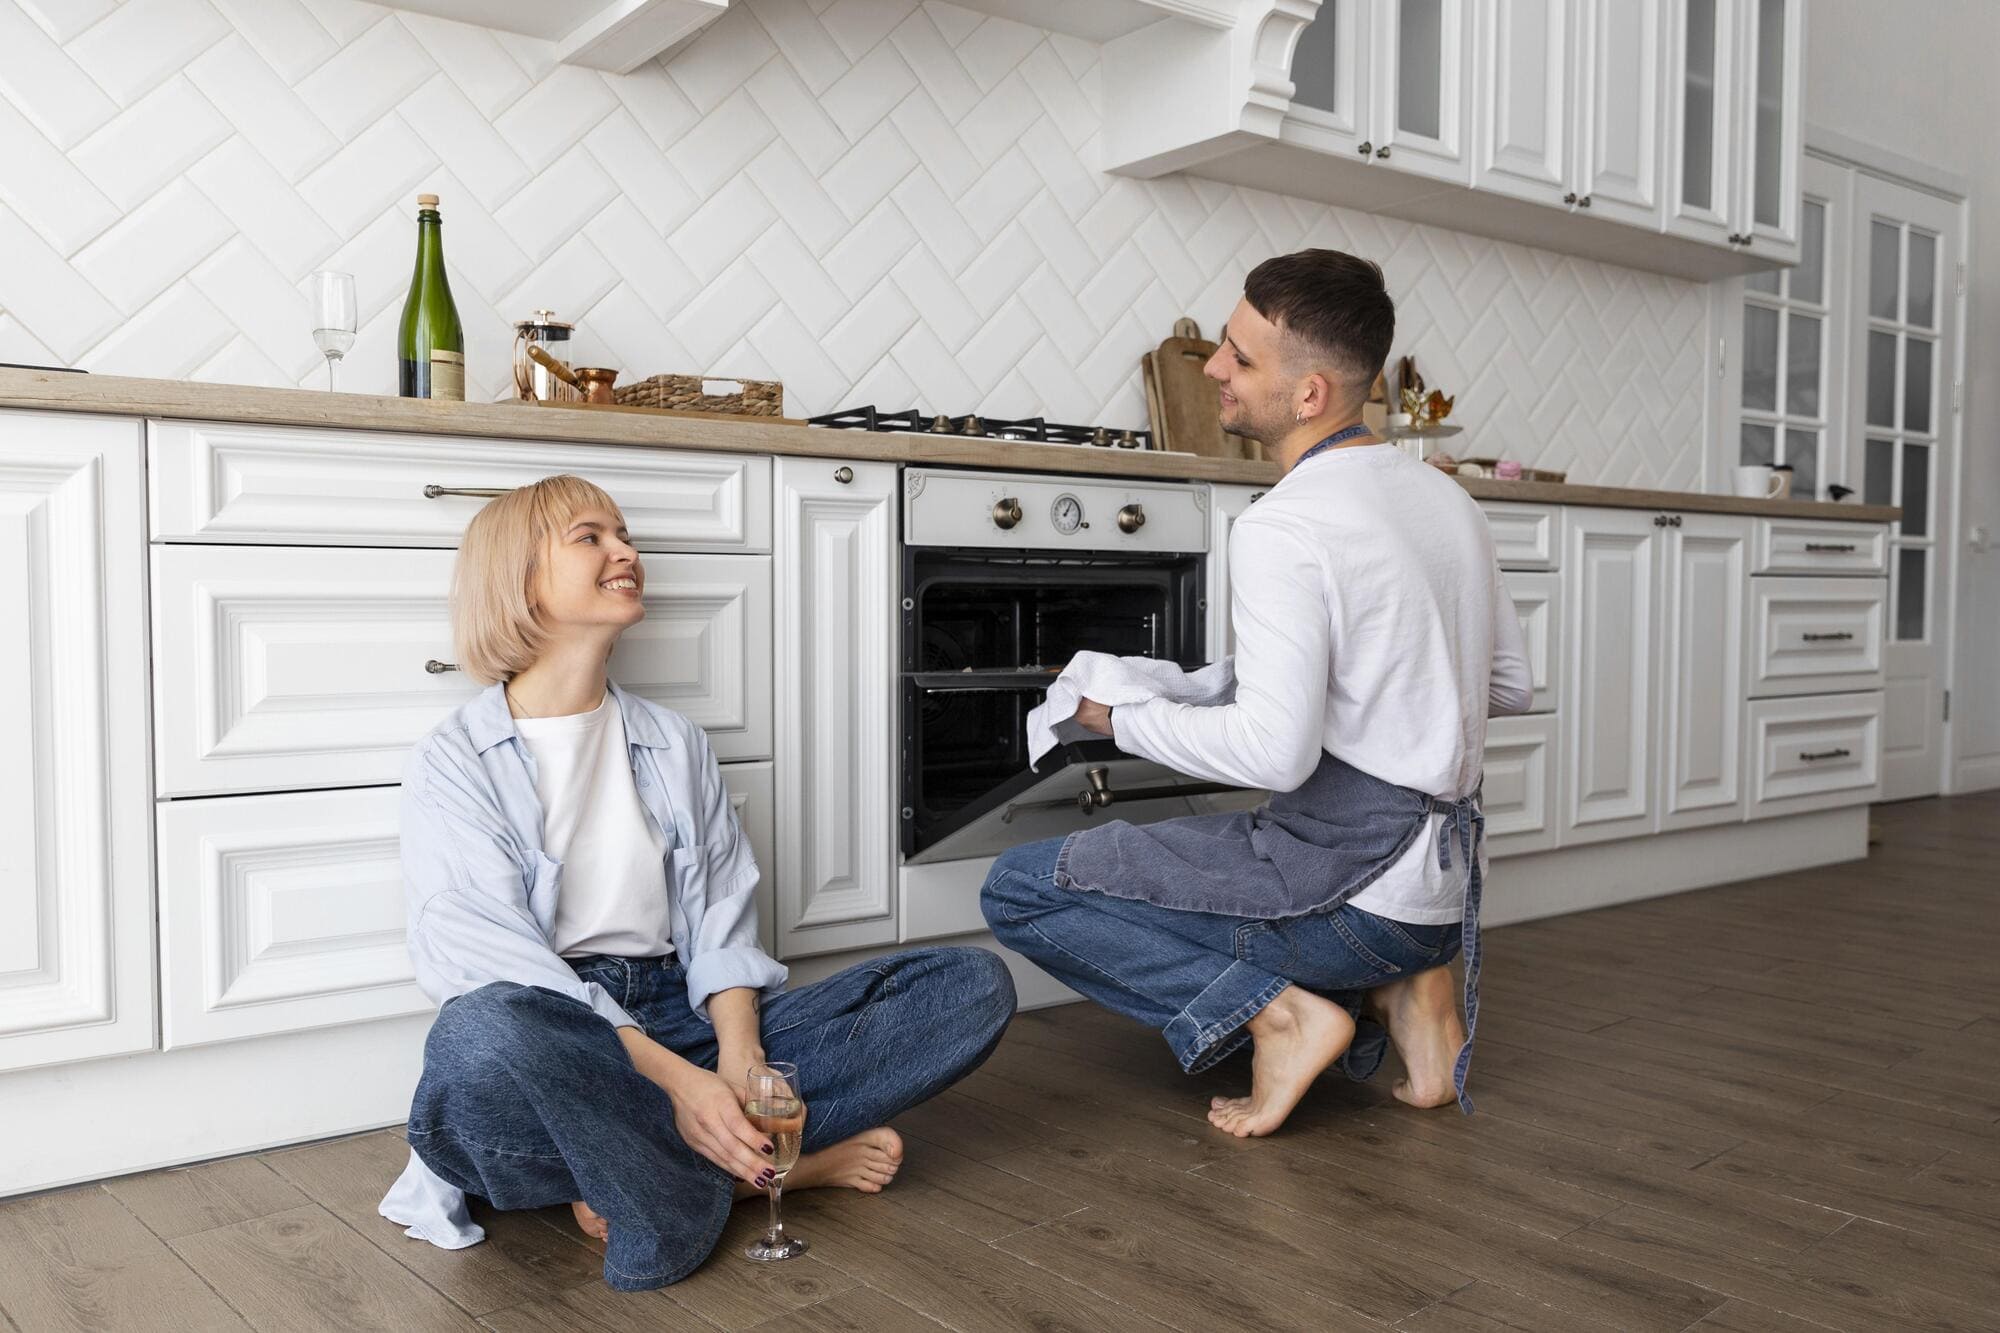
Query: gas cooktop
[1032, 430]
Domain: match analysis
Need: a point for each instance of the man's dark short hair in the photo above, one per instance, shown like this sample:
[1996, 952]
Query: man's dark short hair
[1336, 303]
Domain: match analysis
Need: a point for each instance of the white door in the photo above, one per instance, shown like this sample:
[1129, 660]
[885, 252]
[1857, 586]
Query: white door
[1527, 96]
[1906, 266]
[1701, 107]
[1421, 110]
[1610, 634]
[835, 768]
[1770, 39]
[1226, 504]
[76, 878]
[1705, 577]
[1619, 104]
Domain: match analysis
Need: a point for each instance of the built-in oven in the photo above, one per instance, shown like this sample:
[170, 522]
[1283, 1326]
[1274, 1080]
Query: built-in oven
[1004, 579]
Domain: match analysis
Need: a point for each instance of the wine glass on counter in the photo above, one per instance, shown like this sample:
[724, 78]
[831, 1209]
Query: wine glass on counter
[334, 316]
[774, 1106]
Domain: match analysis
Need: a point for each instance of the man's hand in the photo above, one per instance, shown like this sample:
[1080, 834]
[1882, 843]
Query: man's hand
[1094, 716]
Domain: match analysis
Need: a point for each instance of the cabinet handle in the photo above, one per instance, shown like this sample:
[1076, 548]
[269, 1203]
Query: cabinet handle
[1366, 148]
[432, 492]
[1659, 520]
[1809, 756]
[1383, 151]
[843, 474]
[1666, 520]
[1570, 198]
[437, 668]
[1830, 547]
[1674, 520]
[1583, 202]
[1842, 637]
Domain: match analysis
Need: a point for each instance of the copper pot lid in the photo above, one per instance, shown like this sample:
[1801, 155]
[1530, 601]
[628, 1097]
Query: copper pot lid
[542, 319]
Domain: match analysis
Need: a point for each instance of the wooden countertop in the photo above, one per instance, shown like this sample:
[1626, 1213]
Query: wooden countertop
[117, 395]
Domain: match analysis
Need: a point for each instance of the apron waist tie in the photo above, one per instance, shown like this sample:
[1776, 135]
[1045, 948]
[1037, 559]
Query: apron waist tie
[1465, 822]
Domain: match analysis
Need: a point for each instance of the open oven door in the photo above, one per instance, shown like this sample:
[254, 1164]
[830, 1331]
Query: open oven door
[1080, 783]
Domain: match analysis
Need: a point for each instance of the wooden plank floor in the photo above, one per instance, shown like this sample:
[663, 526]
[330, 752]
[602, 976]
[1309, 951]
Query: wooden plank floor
[1765, 1108]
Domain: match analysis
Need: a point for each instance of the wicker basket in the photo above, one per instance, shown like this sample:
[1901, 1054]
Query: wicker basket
[687, 393]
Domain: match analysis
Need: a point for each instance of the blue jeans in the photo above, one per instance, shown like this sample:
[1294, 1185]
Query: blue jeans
[528, 1098]
[1200, 977]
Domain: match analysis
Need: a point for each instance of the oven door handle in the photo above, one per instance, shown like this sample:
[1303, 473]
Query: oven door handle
[1098, 794]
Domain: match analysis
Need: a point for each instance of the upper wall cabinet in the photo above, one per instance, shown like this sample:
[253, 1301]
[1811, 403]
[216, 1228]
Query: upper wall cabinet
[1661, 134]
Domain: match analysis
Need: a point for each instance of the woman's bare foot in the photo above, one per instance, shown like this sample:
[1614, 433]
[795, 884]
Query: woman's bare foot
[1422, 1015]
[867, 1162]
[1297, 1035]
[594, 1226]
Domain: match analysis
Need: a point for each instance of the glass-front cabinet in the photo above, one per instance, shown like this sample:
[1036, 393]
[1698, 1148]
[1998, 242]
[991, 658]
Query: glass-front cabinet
[1733, 118]
[1385, 80]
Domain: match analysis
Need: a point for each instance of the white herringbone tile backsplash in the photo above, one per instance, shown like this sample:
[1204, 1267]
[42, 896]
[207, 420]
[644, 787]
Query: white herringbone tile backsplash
[874, 200]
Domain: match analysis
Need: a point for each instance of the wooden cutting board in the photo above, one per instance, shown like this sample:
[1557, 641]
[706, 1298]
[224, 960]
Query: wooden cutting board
[1189, 413]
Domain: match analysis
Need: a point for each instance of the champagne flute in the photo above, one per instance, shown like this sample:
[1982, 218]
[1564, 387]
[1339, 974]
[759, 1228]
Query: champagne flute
[333, 316]
[775, 1107]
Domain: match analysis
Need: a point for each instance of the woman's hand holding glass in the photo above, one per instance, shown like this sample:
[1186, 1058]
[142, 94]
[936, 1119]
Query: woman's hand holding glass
[708, 1111]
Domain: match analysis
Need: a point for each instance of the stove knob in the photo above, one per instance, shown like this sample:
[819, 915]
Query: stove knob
[940, 425]
[1007, 512]
[1128, 441]
[1131, 518]
[1101, 438]
[972, 426]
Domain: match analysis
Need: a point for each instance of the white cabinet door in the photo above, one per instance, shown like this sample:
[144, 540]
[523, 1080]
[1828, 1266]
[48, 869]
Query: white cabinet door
[1705, 581]
[1422, 113]
[1538, 604]
[1770, 40]
[835, 770]
[1620, 136]
[1702, 146]
[750, 797]
[285, 668]
[1330, 66]
[282, 913]
[1519, 795]
[1226, 504]
[1610, 637]
[76, 880]
[1526, 99]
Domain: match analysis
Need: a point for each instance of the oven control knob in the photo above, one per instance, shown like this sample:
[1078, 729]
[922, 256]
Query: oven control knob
[1006, 512]
[1131, 518]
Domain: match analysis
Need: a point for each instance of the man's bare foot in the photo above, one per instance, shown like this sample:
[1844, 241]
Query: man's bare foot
[1297, 1035]
[594, 1226]
[867, 1162]
[1422, 1015]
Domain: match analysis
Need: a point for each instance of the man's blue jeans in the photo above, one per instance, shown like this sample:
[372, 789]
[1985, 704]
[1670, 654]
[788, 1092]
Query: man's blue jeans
[528, 1098]
[1200, 977]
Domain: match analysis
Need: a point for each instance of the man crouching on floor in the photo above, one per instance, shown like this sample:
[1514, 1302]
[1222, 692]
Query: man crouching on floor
[1373, 636]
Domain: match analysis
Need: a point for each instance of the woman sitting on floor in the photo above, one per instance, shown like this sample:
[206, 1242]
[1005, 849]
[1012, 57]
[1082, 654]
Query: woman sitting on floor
[580, 903]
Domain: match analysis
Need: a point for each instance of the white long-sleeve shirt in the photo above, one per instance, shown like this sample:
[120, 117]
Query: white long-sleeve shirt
[1371, 622]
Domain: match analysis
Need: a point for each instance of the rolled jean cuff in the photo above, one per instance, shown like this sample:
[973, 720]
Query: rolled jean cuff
[1211, 1026]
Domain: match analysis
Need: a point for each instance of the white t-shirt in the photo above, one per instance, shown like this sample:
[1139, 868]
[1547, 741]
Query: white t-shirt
[613, 897]
[1372, 623]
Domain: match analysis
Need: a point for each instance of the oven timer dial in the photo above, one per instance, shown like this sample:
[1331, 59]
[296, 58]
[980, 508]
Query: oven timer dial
[1066, 514]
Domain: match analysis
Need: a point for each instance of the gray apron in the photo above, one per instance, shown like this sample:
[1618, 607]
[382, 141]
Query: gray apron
[1302, 852]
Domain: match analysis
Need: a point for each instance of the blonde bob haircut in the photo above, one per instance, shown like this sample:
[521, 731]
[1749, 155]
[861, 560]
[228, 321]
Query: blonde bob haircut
[493, 618]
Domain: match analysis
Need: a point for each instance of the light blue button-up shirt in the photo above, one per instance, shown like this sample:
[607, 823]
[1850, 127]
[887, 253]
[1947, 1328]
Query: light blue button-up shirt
[481, 893]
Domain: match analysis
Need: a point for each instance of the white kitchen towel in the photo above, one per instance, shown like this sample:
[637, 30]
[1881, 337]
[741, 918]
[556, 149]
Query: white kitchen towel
[1120, 680]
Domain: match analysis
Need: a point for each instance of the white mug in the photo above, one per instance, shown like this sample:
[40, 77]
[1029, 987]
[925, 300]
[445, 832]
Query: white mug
[1756, 481]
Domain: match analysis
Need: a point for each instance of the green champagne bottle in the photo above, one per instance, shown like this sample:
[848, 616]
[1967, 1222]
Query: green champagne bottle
[430, 349]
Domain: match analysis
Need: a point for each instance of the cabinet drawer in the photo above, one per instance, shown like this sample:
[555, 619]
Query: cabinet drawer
[1519, 796]
[1804, 546]
[280, 913]
[1538, 604]
[1816, 636]
[300, 486]
[1809, 754]
[279, 669]
[1525, 536]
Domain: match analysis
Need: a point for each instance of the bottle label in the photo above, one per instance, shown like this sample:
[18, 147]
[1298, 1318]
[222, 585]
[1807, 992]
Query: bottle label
[447, 375]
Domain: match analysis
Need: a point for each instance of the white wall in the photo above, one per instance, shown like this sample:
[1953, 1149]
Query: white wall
[874, 200]
[1919, 81]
